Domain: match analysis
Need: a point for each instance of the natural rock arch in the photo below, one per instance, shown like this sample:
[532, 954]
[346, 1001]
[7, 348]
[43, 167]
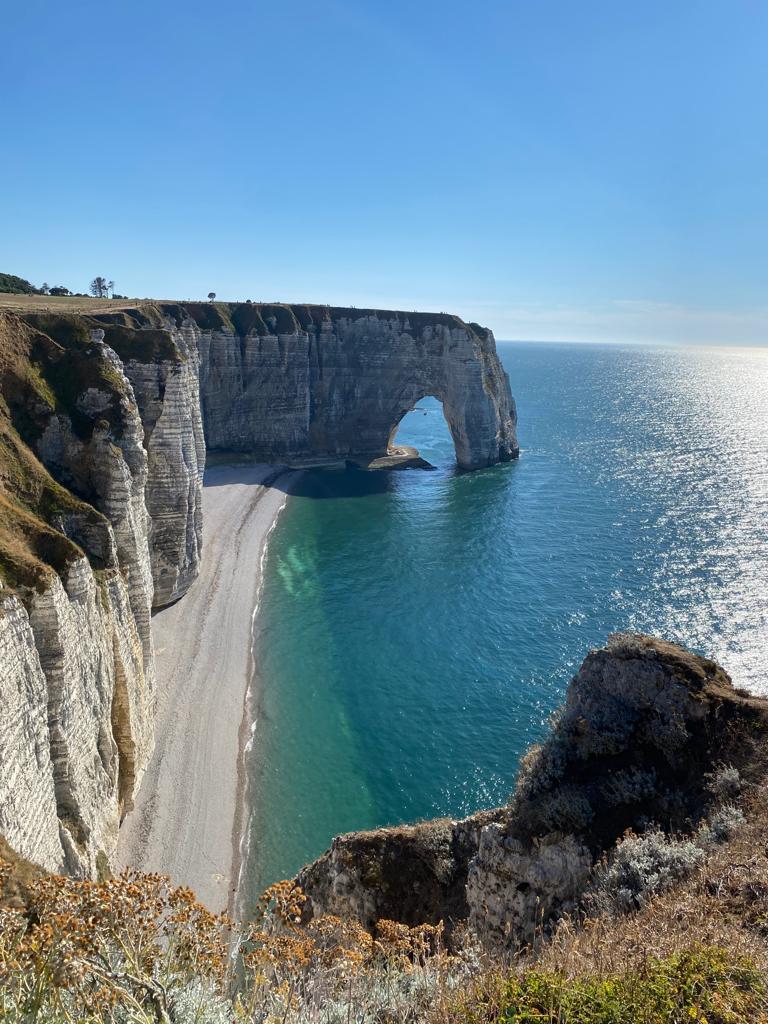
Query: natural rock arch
[322, 383]
[395, 429]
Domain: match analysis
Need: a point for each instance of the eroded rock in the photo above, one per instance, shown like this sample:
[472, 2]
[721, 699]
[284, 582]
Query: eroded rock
[644, 724]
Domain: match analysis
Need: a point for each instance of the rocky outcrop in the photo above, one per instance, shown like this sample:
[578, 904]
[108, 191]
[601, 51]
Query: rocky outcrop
[416, 874]
[313, 383]
[162, 366]
[644, 724]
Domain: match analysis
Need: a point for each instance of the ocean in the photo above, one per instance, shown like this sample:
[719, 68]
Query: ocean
[418, 628]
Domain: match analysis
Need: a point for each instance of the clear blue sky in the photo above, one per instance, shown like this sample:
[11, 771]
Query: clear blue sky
[554, 168]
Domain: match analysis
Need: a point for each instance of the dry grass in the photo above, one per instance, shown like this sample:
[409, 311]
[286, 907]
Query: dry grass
[724, 903]
[66, 303]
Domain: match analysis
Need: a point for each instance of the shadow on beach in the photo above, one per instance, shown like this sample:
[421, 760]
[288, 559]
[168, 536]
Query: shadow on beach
[313, 482]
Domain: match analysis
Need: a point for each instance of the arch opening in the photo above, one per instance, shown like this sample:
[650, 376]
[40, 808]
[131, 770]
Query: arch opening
[424, 430]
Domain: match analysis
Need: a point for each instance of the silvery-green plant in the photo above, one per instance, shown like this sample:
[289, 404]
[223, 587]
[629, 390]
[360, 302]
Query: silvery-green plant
[721, 825]
[639, 867]
[725, 783]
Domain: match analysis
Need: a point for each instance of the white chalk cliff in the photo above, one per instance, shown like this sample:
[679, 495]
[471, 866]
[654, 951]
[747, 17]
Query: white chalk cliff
[104, 421]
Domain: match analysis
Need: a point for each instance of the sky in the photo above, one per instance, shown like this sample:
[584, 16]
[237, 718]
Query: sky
[585, 170]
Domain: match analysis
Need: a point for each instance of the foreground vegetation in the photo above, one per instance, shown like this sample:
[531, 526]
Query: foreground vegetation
[134, 949]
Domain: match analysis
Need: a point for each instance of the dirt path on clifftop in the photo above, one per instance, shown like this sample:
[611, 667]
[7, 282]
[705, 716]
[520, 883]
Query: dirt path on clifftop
[187, 817]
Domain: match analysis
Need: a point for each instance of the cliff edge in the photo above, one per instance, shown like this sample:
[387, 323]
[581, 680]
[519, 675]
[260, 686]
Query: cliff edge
[645, 728]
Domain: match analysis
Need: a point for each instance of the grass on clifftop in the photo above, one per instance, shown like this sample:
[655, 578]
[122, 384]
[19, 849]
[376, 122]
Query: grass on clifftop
[239, 317]
[37, 378]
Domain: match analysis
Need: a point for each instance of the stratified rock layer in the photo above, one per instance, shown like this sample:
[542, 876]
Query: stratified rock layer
[168, 397]
[28, 815]
[307, 383]
[77, 668]
[644, 723]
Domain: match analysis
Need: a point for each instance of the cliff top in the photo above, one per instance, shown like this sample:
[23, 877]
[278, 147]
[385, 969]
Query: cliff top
[240, 317]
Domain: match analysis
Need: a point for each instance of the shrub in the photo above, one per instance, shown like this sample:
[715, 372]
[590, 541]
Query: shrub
[630, 786]
[134, 949]
[725, 783]
[724, 823]
[639, 867]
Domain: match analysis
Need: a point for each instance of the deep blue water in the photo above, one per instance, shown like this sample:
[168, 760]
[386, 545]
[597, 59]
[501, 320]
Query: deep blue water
[418, 628]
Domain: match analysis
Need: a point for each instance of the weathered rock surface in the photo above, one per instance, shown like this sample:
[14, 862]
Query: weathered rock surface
[168, 397]
[306, 383]
[28, 816]
[644, 723]
[413, 873]
[77, 669]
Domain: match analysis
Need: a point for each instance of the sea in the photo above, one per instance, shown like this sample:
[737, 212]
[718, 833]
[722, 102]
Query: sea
[418, 628]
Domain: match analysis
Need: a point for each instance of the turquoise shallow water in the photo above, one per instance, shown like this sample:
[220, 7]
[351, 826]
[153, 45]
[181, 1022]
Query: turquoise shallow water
[418, 628]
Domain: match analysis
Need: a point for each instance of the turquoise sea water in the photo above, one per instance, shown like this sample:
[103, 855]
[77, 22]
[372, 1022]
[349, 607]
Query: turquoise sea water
[417, 628]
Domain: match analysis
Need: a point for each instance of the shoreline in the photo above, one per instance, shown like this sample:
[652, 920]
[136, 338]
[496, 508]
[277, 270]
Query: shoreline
[245, 808]
[190, 818]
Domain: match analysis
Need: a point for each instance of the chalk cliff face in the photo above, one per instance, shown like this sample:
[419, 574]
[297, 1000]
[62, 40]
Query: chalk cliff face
[162, 366]
[102, 449]
[643, 725]
[100, 485]
[293, 383]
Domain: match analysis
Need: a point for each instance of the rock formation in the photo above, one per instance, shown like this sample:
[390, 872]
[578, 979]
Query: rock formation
[77, 672]
[644, 723]
[416, 874]
[307, 383]
[162, 366]
[104, 419]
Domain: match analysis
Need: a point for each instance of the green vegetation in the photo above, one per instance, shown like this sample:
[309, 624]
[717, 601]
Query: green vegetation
[39, 376]
[68, 368]
[701, 984]
[210, 316]
[17, 285]
[29, 500]
[147, 345]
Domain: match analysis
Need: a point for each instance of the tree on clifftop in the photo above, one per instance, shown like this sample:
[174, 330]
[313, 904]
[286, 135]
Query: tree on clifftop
[211, 296]
[100, 287]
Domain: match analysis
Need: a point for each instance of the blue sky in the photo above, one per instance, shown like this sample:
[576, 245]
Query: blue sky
[593, 170]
